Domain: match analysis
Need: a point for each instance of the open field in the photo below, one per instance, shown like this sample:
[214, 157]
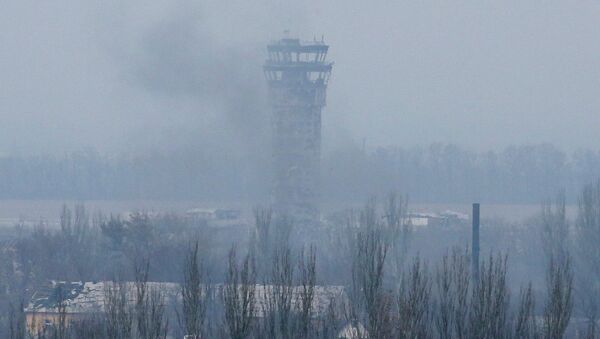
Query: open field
[33, 211]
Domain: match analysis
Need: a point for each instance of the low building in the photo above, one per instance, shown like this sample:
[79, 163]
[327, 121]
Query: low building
[214, 214]
[444, 219]
[71, 301]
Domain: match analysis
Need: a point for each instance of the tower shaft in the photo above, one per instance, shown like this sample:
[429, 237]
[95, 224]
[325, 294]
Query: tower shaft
[297, 76]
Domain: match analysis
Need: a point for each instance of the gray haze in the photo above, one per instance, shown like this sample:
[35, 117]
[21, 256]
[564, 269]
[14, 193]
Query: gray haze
[137, 76]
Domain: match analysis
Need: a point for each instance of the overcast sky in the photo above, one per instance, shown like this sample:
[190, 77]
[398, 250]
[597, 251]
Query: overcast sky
[142, 75]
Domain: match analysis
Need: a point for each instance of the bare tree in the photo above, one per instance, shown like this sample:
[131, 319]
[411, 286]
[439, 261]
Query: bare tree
[114, 229]
[559, 303]
[139, 231]
[398, 228]
[525, 325]
[193, 292]
[262, 222]
[81, 224]
[587, 252]
[16, 321]
[369, 252]
[452, 287]
[58, 329]
[308, 278]
[555, 228]
[283, 288]
[446, 299]
[66, 221]
[329, 328]
[414, 303]
[239, 293]
[149, 304]
[488, 316]
[89, 327]
[283, 231]
[280, 293]
[76, 245]
[268, 327]
[117, 310]
[461, 278]
[141, 270]
[157, 322]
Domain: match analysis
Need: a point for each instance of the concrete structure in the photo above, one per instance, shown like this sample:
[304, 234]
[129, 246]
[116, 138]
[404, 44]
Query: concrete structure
[297, 75]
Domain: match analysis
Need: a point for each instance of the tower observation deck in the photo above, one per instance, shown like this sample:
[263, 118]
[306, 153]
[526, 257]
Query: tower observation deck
[297, 75]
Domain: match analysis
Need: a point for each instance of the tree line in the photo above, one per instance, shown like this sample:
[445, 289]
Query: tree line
[391, 290]
[437, 173]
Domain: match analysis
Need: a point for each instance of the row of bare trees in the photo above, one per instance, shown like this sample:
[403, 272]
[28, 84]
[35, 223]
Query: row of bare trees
[431, 173]
[271, 290]
[446, 302]
[573, 247]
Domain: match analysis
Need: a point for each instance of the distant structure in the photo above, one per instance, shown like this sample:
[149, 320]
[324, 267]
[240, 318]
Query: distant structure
[297, 75]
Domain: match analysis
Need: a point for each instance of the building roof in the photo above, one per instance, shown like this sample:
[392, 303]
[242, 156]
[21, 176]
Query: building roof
[89, 297]
[84, 297]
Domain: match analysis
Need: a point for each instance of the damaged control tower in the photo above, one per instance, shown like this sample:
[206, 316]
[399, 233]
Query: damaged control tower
[297, 75]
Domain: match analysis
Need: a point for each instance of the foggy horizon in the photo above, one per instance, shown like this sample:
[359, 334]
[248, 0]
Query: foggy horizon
[139, 77]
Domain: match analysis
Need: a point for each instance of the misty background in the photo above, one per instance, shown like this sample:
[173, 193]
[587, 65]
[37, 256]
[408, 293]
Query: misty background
[173, 91]
[152, 116]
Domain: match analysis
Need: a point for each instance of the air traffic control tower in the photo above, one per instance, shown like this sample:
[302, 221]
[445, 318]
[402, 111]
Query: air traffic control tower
[297, 75]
